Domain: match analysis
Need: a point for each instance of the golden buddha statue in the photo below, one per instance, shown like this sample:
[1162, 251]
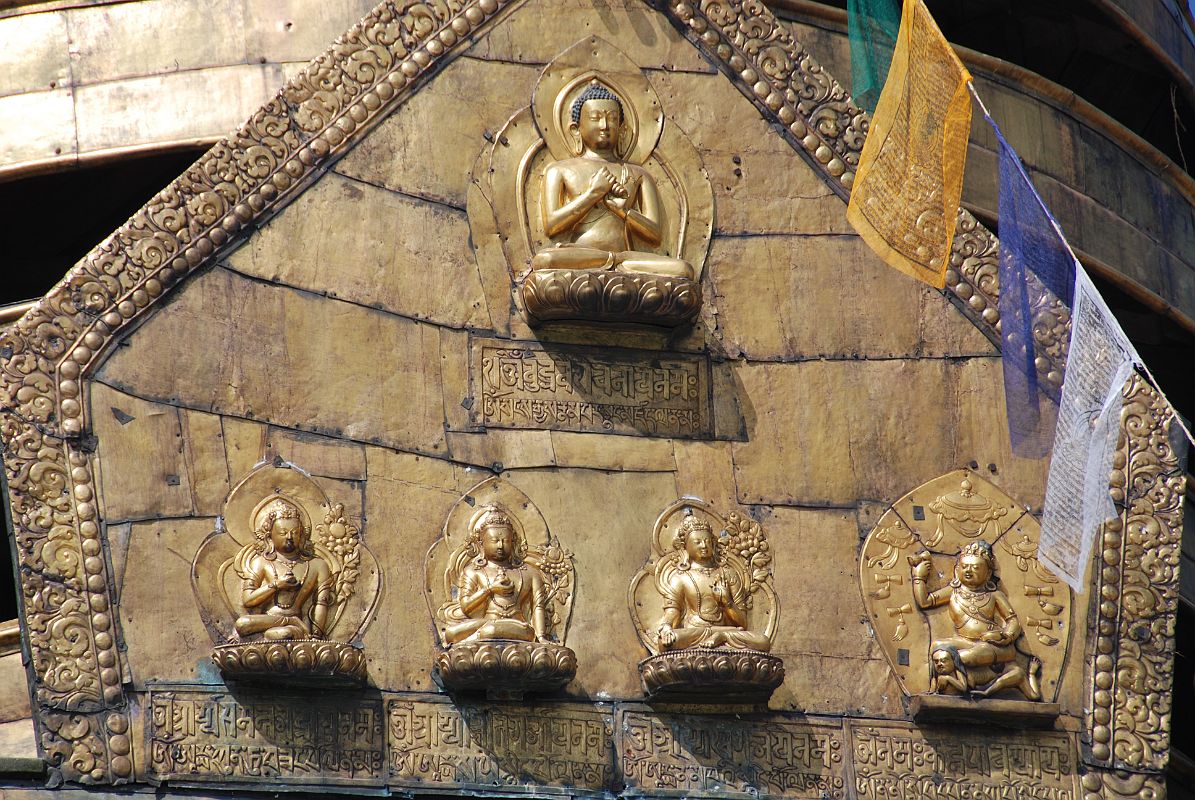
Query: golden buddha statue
[286, 585]
[704, 598]
[599, 204]
[499, 595]
[704, 608]
[287, 589]
[501, 590]
[981, 657]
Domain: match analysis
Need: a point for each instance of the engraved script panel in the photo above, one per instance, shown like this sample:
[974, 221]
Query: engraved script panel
[579, 389]
[567, 747]
[314, 738]
[899, 762]
[673, 755]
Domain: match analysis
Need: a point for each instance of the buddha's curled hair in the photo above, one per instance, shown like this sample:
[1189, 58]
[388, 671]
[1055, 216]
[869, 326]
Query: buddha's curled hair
[595, 91]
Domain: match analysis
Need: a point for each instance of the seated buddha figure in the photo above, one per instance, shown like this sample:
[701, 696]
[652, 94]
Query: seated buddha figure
[286, 589]
[499, 596]
[598, 207]
[983, 649]
[704, 598]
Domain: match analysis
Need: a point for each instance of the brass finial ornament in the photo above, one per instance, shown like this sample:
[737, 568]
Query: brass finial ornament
[966, 615]
[705, 609]
[604, 210]
[500, 589]
[280, 594]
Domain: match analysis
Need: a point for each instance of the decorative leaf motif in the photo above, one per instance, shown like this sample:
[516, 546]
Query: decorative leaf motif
[746, 539]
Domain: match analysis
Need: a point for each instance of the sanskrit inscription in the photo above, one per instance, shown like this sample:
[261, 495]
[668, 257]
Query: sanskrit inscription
[569, 747]
[316, 738]
[666, 754]
[897, 762]
[580, 389]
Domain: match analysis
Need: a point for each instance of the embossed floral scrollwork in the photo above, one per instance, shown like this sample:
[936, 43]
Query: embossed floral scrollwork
[1101, 785]
[89, 749]
[1137, 586]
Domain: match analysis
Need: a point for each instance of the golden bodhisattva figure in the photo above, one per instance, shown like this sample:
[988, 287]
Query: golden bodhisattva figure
[500, 589]
[286, 588]
[704, 600]
[599, 204]
[704, 608]
[499, 596]
[980, 658]
[285, 585]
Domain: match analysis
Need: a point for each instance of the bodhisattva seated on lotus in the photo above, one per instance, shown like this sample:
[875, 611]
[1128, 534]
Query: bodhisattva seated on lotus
[286, 589]
[704, 600]
[499, 595]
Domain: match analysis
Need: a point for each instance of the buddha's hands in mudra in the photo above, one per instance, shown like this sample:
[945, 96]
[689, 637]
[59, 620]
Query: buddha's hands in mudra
[721, 593]
[601, 182]
[666, 636]
[502, 586]
[997, 637]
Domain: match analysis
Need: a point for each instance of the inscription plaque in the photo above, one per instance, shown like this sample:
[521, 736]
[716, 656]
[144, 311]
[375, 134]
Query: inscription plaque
[898, 762]
[578, 389]
[567, 747]
[673, 755]
[316, 738]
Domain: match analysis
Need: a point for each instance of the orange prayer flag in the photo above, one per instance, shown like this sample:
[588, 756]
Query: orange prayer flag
[905, 197]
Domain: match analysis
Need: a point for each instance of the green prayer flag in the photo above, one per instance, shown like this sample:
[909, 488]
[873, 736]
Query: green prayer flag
[873, 25]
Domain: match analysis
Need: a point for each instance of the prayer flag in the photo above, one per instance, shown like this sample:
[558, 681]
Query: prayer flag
[1077, 502]
[872, 26]
[1037, 274]
[905, 196]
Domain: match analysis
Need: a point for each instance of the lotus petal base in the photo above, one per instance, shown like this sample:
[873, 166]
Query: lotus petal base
[563, 294]
[701, 674]
[501, 666]
[307, 660]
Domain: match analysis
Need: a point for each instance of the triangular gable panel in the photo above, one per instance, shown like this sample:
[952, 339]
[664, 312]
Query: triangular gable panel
[360, 183]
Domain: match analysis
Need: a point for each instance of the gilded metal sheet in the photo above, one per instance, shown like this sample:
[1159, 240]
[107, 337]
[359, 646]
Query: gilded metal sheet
[524, 385]
[318, 738]
[559, 747]
[664, 755]
[895, 761]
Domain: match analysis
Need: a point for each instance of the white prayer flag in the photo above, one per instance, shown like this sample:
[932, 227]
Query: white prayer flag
[1099, 362]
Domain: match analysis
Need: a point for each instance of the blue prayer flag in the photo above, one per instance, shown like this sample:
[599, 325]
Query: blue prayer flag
[1037, 272]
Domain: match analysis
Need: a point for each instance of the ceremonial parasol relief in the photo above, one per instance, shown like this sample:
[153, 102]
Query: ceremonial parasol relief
[285, 586]
[500, 590]
[959, 603]
[603, 207]
[705, 609]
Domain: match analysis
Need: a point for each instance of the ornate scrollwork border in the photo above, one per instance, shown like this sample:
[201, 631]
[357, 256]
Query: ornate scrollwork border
[817, 116]
[1135, 591]
[1101, 785]
[66, 602]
